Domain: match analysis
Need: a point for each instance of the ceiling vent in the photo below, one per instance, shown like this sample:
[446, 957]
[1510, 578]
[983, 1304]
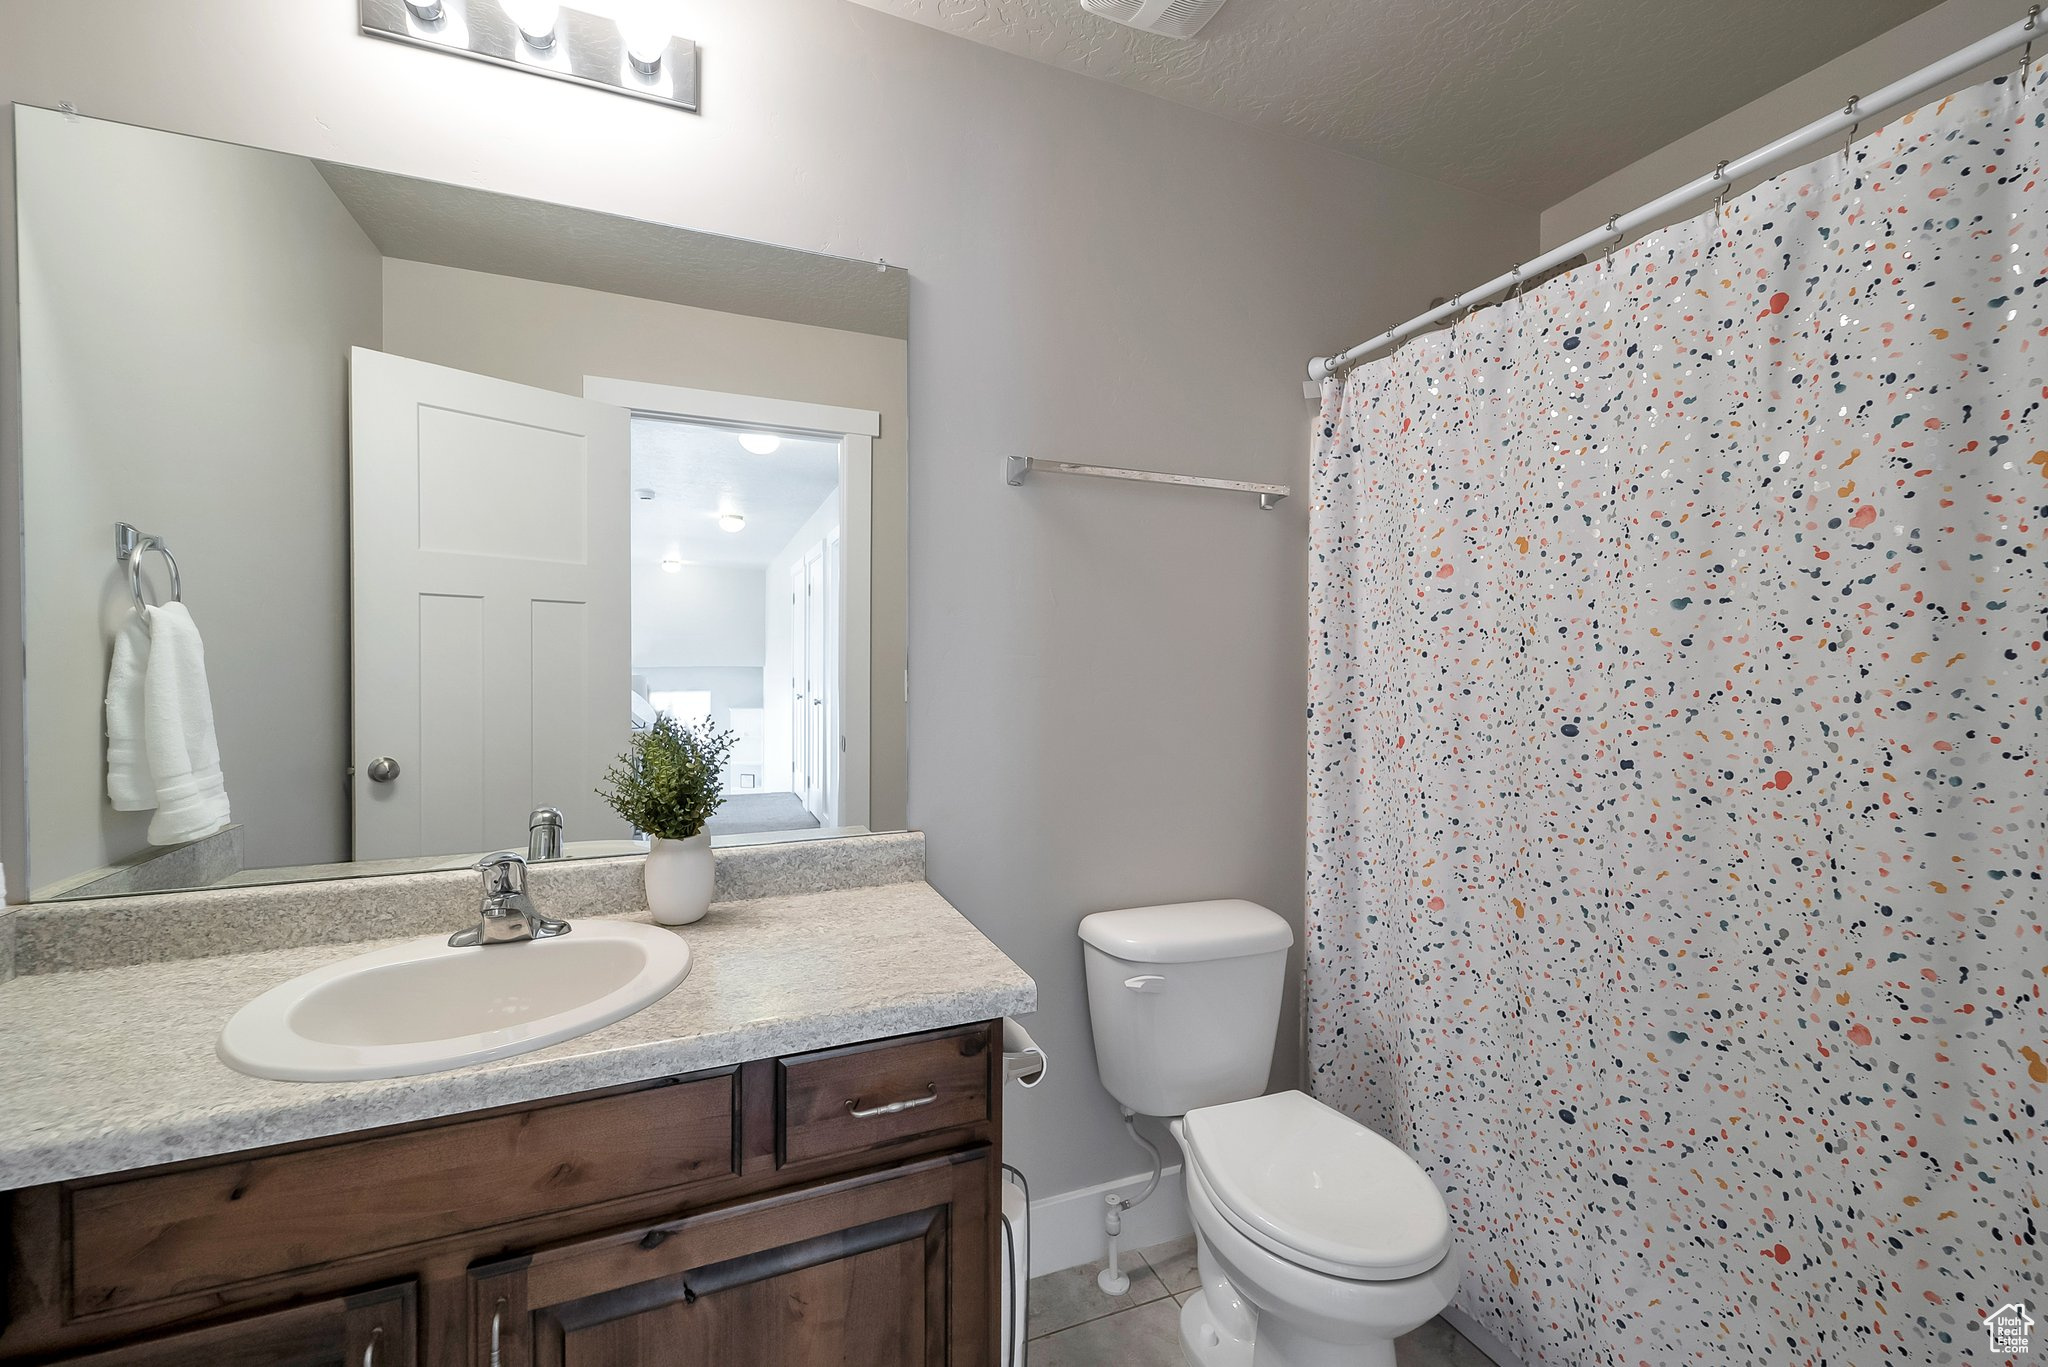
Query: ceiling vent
[1173, 18]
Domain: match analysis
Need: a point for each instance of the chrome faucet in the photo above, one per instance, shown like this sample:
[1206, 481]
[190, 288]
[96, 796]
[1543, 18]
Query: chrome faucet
[544, 831]
[507, 915]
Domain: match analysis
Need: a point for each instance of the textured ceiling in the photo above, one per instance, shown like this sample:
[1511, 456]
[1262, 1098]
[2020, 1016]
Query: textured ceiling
[698, 472]
[477, 230]
[1526, 100]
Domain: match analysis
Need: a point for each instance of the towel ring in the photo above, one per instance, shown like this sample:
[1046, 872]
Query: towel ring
[129, 544]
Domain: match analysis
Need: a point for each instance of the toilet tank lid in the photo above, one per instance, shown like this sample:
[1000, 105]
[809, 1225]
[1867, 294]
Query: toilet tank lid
[1187, 932]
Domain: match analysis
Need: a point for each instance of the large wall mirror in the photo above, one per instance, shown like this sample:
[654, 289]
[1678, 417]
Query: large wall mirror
[460, 490]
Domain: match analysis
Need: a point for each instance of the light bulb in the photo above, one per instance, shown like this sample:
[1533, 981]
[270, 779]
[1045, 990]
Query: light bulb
[646, 37]
[535, 19]
[672, 563]
[731, 522]
[761, 443]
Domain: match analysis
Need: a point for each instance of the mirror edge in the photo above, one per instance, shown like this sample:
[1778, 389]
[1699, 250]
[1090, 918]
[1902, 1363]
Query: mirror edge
[13, 581]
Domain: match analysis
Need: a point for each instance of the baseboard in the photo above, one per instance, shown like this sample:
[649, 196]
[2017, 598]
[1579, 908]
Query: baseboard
[1485, 1340]
[1066, 1230]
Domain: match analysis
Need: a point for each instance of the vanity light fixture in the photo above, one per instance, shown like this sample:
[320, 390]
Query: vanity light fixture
[761, 443]
[634, 54]
[731, 522]
[535, 20]
[646, 38]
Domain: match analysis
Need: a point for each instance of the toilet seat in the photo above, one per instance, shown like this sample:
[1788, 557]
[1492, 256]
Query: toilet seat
[1317, 1189]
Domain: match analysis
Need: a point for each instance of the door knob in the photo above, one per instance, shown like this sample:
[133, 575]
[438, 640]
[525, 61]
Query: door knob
[383, 769]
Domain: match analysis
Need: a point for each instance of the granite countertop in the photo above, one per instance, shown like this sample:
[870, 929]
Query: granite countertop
[114, 1068]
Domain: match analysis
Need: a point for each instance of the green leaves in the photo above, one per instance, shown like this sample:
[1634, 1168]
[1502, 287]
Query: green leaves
[667, 784]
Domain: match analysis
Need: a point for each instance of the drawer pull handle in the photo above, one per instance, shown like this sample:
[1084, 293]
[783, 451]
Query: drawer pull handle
[497, 1323]
[370, 1351]
[892, 1107]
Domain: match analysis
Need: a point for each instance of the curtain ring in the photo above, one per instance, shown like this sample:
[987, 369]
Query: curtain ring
[1850, 142]
[1721, 174]
[2027, 54]
[1516, 292]
[1612, 219]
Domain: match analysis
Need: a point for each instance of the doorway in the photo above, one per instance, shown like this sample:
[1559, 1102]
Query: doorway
[749, 572]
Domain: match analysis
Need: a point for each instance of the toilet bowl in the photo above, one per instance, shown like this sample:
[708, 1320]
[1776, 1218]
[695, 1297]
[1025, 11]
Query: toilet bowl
[1320, 1243]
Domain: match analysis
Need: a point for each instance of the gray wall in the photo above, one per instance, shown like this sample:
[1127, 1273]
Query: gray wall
[187, 309]
[1897, 52]
[1107, 682]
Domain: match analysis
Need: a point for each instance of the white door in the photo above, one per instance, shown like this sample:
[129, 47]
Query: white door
[834, 679]
[799, 692]
[817, 672]
[492, 607]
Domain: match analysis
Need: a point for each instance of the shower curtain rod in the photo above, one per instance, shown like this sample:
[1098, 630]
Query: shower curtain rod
[1937, 76]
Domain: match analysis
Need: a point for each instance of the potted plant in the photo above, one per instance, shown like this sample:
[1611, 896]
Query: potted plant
[667, 787]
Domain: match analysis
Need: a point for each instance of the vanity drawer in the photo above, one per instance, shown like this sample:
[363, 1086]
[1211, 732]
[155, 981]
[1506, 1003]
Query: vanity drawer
[843, 1101]
[145, 1239]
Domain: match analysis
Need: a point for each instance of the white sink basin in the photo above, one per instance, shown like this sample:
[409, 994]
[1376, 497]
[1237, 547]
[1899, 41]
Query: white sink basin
[422, 1006]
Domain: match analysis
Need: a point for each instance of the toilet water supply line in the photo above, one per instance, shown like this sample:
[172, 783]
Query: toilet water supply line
[1112, 1279]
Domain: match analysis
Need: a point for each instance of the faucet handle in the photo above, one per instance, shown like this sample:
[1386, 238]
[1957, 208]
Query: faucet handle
[544, 834]
[504, 873]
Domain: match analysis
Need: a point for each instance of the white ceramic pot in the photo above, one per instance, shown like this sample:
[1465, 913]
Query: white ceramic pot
[680, 879]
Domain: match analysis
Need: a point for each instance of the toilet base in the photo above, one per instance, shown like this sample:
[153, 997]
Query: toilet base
[1202, 1343]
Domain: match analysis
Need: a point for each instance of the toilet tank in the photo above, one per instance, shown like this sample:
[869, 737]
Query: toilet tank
[1184, 1000]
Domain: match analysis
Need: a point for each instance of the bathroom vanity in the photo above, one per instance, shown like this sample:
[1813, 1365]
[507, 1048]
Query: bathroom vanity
[493, 465]
[738, 1215]
[793, 1158]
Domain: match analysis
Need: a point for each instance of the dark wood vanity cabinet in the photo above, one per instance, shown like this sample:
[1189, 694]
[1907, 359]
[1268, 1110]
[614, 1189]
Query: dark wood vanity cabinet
[837, 1207]
[885, 1268]
[371, 1329]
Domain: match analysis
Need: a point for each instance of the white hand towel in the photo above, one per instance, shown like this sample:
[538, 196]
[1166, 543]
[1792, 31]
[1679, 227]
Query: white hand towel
[128, 782]
[184, 758]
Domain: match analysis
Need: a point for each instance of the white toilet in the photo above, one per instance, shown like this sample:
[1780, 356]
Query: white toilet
[1320, 1242]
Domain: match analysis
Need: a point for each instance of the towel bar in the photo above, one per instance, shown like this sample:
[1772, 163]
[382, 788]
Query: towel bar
[1015, 468]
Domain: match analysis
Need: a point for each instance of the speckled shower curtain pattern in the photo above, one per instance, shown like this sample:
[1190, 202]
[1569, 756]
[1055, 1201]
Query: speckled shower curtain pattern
[1676, 768]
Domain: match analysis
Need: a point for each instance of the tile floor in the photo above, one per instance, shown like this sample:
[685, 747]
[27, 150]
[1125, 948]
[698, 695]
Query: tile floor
[1072, 1324]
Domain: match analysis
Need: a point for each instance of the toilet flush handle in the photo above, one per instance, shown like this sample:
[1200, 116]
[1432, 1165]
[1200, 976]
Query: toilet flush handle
[1146, 982]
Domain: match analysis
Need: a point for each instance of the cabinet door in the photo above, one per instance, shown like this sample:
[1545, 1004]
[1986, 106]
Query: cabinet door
[370, 1329]
[890, 1269]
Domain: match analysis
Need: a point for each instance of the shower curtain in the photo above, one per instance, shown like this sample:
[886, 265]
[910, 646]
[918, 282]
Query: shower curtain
[1677, 771]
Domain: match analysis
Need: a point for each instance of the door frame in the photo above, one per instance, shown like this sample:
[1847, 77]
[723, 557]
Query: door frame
[855, 430]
